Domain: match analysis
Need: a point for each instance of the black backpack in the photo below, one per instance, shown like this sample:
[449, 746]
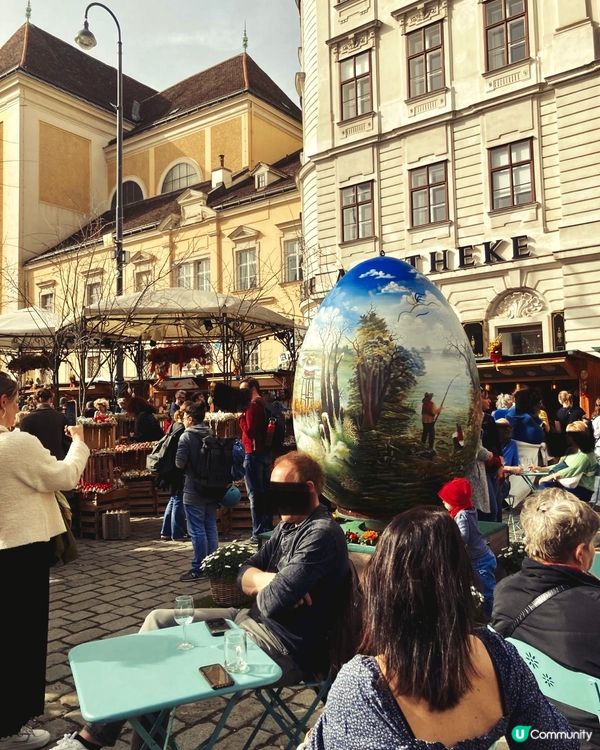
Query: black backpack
[216, 468]
[161, 462]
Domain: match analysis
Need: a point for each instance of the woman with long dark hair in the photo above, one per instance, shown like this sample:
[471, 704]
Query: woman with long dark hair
[424, 673]
[29, 518]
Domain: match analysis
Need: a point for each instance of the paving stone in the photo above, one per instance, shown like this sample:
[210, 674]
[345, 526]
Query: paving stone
[69, 699]
[90, 634]
[238, 739]
[247, 710]
[56, 689]
[57, 672]
[75, 717]
[57, 633]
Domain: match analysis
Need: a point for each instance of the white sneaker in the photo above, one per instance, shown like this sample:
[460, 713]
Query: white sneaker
[27, 739]
[68, 742]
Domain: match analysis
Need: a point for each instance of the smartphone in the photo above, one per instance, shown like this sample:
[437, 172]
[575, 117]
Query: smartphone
[217, 676]
[217, 626]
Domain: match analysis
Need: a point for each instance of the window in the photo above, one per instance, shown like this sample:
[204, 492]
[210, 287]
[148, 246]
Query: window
[522, 339]
[291, 261]
[252, 357]
[203, 275]
[47, 301]
[357, 211]
[425, 60]
[92, 365]
[261, 181]
[143, 279]
[184, 276]
[505, 32]
[355, 81]
[93, 292]
[179, 177]
[245, 266]
[132, 192]
[429, 194]
[511, 173]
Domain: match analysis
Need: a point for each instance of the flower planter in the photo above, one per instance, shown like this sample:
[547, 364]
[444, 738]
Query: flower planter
[226, 592]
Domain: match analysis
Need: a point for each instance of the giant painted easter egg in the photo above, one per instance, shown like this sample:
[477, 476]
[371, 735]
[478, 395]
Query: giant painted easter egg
[386, 392]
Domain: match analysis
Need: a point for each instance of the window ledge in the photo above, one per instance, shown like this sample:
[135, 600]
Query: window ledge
[354, 120]
[511, 209]
[428, 95]
[359, 241]
[290, 283]
[507, 68]
[432, 225]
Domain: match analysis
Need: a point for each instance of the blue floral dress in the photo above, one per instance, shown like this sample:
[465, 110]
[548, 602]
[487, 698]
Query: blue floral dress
[362, 714]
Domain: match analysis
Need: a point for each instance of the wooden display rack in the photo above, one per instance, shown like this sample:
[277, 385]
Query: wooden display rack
[93, 507]
[142, 497]
[99, 468]
[101, 435]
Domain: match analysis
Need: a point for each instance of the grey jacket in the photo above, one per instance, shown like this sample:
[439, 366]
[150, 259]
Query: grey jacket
[188, 459]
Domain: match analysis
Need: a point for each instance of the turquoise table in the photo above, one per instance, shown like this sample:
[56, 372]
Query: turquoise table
[145, 675]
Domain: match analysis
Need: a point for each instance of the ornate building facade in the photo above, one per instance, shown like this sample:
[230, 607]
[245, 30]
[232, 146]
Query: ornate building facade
[461, 136]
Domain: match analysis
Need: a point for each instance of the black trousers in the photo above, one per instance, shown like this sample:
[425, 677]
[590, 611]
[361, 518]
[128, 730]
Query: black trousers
[24, 597]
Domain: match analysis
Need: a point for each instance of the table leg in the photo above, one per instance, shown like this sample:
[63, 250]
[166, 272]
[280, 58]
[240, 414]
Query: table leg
[210, 742]
[156, 731]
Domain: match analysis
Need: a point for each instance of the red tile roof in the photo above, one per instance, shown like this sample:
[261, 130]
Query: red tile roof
[49, 59]
[239, 74]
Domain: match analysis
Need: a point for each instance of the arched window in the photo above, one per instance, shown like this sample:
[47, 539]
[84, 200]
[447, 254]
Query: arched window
[179, 177]
[132, 192]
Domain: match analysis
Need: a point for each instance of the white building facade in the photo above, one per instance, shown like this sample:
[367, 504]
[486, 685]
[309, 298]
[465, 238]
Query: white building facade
[464, 137]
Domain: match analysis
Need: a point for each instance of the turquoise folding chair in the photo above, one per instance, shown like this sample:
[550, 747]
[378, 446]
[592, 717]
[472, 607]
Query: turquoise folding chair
[276, 707]
[575, 689]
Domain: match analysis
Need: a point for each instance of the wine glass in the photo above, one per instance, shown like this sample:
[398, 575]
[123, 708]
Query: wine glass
[184, 615]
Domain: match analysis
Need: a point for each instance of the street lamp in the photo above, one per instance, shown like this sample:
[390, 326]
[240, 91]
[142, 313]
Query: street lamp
[87, 41]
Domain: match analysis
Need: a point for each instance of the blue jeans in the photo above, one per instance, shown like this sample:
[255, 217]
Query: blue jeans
[485, 568]
[174, 517]
[257, 469]
[202, 529]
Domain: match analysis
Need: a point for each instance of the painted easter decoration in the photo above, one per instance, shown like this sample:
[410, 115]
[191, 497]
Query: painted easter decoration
[386, 392]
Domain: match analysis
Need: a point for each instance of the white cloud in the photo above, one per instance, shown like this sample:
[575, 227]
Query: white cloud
[393, 288]
[376, 274]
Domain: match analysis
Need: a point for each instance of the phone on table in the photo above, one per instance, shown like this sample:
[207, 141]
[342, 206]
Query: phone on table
[217, 676]
[217, 626]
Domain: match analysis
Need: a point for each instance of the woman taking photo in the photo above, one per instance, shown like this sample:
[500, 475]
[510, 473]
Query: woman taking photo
[29, 518]
[424, 673]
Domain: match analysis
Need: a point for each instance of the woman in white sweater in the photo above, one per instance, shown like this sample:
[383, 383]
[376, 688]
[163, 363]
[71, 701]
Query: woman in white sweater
[29, 518]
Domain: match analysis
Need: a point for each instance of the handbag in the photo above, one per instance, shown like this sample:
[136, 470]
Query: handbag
[63, 546]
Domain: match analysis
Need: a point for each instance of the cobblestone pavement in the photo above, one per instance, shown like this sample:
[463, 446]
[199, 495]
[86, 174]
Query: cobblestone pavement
[108, 591]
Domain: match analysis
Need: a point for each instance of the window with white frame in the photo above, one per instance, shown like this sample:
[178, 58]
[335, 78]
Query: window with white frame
[47, 300]
[291, 261]
[203, 275]
[261, 180]
[357, 211]
[93, 291]
[246, 269]
[179, 177]
[252, 357]
[184, 276]
[355, 85]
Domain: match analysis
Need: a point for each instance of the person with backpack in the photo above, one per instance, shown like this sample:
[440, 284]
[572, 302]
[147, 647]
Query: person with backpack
[168, 475]
[258, 457]
[199, 503]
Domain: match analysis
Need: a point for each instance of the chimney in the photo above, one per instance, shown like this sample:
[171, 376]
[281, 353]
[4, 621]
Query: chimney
[221, 175]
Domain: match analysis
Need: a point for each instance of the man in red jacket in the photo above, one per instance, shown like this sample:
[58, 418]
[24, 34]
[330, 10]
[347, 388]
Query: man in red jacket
[258, 458]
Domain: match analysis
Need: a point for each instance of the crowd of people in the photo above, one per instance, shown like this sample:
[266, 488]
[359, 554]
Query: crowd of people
[415, 660]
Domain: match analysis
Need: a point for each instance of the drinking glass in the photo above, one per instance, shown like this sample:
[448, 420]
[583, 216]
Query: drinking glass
[184, 615]
[236, 651]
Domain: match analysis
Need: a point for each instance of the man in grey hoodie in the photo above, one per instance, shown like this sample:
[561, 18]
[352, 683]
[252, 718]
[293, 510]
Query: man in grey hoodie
[200, 505]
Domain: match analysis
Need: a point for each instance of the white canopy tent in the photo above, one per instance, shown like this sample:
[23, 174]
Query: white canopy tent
[30, 326]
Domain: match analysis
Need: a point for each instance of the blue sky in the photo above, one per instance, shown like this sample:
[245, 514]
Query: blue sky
[165, 41]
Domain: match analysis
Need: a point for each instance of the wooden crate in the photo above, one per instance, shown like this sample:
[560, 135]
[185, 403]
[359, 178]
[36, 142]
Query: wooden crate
[162, 499]
[142, 498]
[99, 468]
[99, 435]
[241, 519]
[127, 460]
[91, 510]
[223, 520]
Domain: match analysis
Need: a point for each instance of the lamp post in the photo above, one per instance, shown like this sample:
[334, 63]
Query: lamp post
[87, 41]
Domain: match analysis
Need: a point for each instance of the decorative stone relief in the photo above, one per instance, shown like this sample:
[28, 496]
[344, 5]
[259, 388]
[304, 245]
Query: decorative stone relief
[355, 41]
[347, 9]
[514, 76]
[427, 105]
[362, 126]
[420, 13]
[519, 305]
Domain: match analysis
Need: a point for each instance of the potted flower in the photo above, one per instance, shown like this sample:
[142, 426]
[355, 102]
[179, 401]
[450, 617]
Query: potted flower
[221, 568]
[511, 557]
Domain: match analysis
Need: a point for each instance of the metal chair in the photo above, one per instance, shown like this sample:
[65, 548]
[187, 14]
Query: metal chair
[575, 689]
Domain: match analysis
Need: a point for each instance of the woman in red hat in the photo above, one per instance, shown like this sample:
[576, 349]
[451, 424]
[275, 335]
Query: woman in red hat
[456, 496]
